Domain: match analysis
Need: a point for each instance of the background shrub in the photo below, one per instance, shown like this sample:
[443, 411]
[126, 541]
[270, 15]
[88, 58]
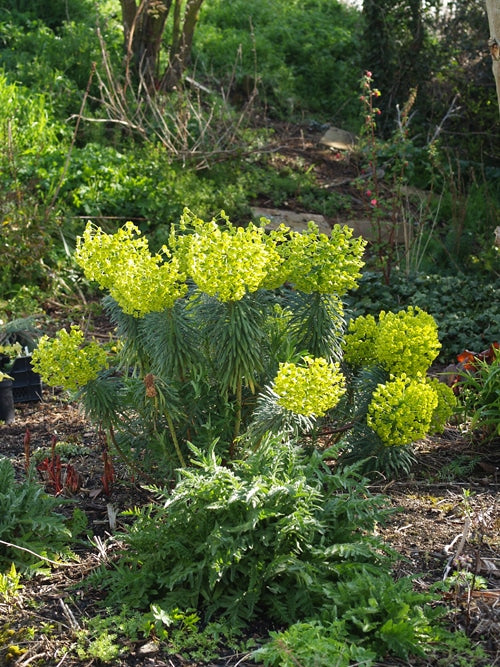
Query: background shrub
[309, 53]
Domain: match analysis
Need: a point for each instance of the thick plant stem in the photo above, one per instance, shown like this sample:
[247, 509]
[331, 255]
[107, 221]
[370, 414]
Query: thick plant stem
[174, 439]
[237, 424]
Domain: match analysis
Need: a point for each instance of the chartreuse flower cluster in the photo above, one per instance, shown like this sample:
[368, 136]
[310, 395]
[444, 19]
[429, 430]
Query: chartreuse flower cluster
[309, 389]
[122, 263]
[403, 342]
[229, 262]
[66, 361]
[226, 262]
[315, 262]
[447, 403]
[402, 409]
[223, 260]
[360, 341]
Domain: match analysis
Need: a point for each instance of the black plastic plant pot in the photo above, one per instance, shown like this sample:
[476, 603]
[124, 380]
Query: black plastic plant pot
[27, 385]
[7, 411]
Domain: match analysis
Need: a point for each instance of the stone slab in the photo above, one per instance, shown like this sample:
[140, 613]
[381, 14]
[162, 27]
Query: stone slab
[298, 222]
[338, 139]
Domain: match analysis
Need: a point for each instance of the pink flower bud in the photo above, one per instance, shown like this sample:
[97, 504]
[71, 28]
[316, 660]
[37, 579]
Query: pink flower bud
[373, 202]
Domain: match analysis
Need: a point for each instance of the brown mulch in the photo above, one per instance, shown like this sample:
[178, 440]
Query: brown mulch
[448, 520]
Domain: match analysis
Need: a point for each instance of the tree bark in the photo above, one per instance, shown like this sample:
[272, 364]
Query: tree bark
[182, 41]
[493, 11]
[143, 27]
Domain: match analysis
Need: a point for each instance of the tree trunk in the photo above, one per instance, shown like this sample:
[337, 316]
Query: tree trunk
[182, 40]
[493, 11]
[143, 27]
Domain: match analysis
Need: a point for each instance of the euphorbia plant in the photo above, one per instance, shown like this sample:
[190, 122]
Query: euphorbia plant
[225, 334]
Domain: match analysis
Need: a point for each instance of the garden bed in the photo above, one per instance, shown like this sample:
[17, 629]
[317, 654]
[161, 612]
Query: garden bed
[449, 517]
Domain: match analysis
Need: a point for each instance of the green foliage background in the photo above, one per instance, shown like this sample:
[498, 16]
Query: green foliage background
[305, 60]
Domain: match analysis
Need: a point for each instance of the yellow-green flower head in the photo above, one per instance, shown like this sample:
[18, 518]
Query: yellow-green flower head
[401, 410]
[319, 263]
[277, 270]
[403, 342]
[447, 403]
[407, 341]
[66, 361]
[102, 256]
[149, 287]
[228, 263]
[122, 263]
[359, 341]
[309, 389]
